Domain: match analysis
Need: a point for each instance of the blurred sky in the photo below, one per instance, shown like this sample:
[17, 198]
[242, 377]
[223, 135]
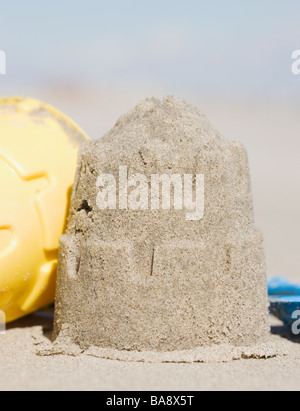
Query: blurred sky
[212, 47]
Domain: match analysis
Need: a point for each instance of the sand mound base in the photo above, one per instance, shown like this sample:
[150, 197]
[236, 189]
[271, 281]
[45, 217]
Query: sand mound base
[271, 348]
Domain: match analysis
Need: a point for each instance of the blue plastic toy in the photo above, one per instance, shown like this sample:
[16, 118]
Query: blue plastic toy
[284, 300]
[281, 286]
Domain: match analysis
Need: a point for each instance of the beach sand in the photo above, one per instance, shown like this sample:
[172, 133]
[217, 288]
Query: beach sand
[185, 274]
[22, 369]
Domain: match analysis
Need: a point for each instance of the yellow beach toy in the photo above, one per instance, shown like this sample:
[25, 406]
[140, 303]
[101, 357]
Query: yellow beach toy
[38, 158]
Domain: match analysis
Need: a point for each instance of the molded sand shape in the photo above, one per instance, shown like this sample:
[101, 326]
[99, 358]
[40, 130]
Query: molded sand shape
[161, 260]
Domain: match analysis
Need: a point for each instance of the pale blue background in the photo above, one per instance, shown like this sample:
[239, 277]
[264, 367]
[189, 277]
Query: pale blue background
[208, 47]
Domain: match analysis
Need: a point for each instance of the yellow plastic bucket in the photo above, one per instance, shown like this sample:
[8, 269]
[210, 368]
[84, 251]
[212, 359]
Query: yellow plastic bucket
[38, 159]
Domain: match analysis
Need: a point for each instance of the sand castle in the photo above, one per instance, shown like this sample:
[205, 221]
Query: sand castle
[138, 276]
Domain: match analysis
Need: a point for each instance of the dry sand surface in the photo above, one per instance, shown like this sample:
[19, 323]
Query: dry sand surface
[183, 274]
[22, 369]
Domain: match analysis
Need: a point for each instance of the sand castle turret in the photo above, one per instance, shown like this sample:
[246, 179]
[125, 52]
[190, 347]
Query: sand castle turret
[161, 251]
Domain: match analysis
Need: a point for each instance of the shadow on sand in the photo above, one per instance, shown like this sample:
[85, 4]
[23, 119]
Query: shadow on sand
[42, 318]
[286, 333]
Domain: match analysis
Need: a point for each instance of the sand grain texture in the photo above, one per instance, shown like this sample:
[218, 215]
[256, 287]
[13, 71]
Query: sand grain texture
[149, 282]
[22, 369]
